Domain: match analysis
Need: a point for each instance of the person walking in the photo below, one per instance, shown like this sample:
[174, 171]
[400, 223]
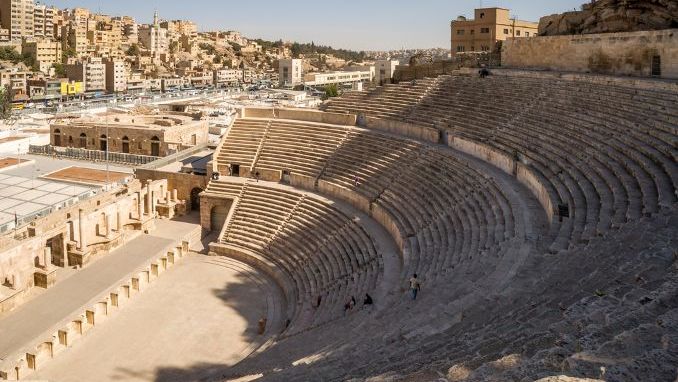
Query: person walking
[415, 286]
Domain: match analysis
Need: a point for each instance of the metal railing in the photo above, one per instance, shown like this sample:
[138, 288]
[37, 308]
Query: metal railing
[23, 220]
[91, 155]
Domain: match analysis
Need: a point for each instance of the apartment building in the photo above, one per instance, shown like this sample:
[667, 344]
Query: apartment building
[45, 52]
[77, 39]
[44, 21]
[92, 73]
[18, 17]
[227, 77]
[489, 26]
[116, 75]
[17, 80]
[180, 27]
[291, 72]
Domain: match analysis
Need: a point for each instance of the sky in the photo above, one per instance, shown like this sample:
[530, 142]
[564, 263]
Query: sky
[350, 24]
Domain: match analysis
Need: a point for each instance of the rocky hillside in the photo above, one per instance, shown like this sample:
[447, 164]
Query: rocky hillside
[608, 16]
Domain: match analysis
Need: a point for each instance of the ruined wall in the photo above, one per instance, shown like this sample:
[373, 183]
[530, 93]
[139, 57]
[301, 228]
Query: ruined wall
[614, 53]
[183, 183]
[612, 16]
[107, 221]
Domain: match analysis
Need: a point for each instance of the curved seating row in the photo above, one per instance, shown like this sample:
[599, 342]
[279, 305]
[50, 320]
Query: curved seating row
[324, 251]
[610, 164]
[441, 212]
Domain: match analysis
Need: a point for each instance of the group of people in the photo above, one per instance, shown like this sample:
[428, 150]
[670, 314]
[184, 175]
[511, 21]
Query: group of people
[351, 303]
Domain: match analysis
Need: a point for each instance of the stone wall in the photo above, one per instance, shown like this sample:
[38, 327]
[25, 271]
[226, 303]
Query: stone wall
[422, 133]
[299, 115]
[613, 53]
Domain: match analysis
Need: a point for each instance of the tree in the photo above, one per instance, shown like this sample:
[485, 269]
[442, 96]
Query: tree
[174, 47]
[6, 97]
[133, 50]
[331, 91]
[67, 53]
[59, 70]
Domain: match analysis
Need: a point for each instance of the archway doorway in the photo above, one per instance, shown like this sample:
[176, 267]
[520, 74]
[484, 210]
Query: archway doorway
[195, 198]
[57, 137]
[83, 141]
[103, 143]
[125, 145]
[155, 147]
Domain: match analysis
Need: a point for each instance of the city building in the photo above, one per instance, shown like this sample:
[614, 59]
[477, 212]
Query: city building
[172, 84]
[45, 52]
[92, 73]
[45, 90]
[18, 17]
[489, 26]
[180, 27]
[155, 135]
[345, 77]
[16, 79]
[291, 72]
[116, 75]
[154, 37]
[227, 77]
[43, 21]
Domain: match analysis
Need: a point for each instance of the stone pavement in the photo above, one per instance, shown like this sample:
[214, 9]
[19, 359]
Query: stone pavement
[40, 315]
[204, 310]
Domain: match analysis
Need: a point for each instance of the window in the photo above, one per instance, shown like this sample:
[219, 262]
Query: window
[517, 33]
[460, 48]
[484, 30]
[460, 32]
[473, 31]
[473, 48]
[482, 15]
[527, 34]
[506, 31]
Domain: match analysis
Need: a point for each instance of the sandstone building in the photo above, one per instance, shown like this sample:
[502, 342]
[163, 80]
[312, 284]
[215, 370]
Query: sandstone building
[154, 135]
[489, 26]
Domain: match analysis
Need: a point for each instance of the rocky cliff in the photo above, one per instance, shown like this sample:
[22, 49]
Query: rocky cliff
[608, 16]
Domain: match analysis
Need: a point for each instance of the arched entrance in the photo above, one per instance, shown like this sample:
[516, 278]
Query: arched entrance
[195, 199]
[125, 145]
[155, 146]
[103, 143]
[218, 217]
[57, 137]
[83, 140]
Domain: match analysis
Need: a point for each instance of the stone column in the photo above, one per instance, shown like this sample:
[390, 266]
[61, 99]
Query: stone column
[81, 230]
[168, 197]
[47, 257]
[149, 204]
[141, 205]
[174, 195]
[118, 220]
[108, 225]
